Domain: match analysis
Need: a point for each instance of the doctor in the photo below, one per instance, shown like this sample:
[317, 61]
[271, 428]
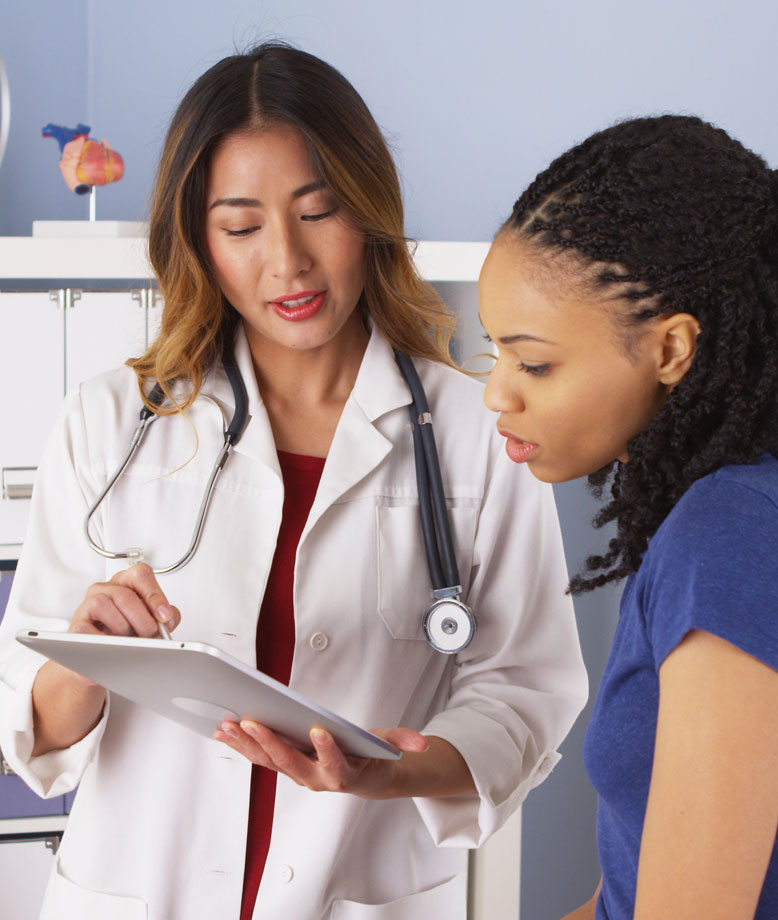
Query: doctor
[276, 235]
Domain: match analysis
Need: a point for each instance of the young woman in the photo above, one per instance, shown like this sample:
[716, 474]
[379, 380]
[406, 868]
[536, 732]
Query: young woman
[633, 298]
[277, 238]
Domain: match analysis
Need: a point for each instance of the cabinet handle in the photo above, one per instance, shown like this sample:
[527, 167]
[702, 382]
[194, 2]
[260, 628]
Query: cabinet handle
[13, 490]
[65, 297]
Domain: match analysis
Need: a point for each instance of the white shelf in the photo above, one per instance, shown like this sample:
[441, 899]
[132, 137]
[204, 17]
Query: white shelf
[28, 258]
[9, 556]
[41, 825]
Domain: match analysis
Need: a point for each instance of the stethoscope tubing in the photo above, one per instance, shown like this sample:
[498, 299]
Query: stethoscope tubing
[433, 510]
[426, 512]
[137, 437]
[232, 435]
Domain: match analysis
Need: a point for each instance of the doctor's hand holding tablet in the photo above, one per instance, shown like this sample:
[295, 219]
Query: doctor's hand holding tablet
[315, 546]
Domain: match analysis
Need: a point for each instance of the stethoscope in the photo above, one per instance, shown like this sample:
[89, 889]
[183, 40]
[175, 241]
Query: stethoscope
[449, 624]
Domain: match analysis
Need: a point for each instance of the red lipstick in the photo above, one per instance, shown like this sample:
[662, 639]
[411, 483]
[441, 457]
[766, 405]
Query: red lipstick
[299, 305]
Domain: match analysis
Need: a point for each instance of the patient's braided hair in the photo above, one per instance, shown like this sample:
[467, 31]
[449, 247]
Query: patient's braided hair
[675, 216]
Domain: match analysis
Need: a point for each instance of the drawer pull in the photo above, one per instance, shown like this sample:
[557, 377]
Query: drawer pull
[14, 490]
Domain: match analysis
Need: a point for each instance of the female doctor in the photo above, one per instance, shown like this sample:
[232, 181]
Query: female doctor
[277, 238]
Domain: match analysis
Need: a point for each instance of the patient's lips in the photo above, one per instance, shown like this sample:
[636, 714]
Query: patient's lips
[518, 450]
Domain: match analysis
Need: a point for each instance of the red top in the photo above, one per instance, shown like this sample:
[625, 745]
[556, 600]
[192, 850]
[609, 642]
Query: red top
[275, 648]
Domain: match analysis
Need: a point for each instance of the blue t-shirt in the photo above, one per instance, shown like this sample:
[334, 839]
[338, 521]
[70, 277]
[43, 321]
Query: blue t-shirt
[713, 566]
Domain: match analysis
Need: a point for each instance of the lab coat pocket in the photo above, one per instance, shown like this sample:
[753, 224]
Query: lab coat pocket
[404, 585]
[64, 900]
[448, 901]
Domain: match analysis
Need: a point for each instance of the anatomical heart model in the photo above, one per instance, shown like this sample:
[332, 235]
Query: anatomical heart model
[85, 162]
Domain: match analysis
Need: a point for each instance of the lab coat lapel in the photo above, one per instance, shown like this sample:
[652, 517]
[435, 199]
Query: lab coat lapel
[257, 441]
[358, 446]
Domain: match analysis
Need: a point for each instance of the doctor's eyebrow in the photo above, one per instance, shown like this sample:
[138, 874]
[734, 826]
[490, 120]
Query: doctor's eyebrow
[256, 203]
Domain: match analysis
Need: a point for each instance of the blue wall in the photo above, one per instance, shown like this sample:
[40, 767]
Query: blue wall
[475, 99]
[44, 48]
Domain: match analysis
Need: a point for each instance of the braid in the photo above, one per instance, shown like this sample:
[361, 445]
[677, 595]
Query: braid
[684, 219]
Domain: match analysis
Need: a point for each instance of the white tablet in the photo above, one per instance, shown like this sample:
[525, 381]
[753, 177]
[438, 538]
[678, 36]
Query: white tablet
[199, 686]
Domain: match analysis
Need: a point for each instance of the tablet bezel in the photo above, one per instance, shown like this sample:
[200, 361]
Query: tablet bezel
[154, 672]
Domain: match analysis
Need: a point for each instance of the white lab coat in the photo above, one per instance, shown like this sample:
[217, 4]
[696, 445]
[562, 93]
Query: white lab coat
[158, 829]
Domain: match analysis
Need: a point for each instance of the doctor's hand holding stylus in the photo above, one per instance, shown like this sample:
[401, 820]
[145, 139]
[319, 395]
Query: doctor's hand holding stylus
[67, 705]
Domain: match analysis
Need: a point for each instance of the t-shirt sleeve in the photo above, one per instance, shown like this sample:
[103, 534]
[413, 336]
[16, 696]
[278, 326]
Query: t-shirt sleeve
[713, 566]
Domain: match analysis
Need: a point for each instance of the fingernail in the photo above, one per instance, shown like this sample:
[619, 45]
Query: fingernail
[164, 613]
[249, 728]
[229, 730]
[318, 736]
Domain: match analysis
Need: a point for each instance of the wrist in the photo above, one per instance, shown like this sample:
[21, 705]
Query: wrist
[388, 781]
[438, 772]
[71, 682]
[66, 707]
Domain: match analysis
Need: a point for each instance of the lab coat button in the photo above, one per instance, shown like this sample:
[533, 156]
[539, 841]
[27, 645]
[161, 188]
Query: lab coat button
[319, 641]
[286, 873]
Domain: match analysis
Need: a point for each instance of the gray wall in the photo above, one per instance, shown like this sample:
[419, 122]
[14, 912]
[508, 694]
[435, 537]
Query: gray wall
[475, 99]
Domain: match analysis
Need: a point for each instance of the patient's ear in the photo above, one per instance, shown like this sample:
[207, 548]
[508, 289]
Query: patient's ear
[677, 337]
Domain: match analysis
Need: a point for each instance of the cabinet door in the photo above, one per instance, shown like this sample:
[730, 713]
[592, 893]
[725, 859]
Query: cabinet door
[32, 376]
[25, 866]
[103, 330]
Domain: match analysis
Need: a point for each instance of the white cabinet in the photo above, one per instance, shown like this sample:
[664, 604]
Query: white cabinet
[32, 364]
[50, 341]
[102, 330]
[27, 858]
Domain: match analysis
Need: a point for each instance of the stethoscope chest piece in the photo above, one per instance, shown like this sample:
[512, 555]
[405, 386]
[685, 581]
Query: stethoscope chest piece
[449, 625]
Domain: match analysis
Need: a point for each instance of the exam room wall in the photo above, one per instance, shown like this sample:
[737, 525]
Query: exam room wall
[475, 99]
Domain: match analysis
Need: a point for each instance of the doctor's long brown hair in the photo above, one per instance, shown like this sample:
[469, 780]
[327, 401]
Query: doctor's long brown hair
[270, 85]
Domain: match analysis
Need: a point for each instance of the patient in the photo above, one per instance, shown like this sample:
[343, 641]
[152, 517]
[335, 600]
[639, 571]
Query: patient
[633, 299]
